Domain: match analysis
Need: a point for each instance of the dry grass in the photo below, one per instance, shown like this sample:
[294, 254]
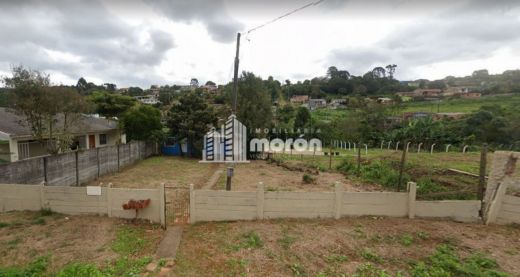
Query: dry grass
[152, 172]
[66, 239]
[311, 247]
[276, 178]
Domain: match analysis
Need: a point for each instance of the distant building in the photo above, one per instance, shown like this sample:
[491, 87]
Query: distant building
[148, 99]
[317, 103]
[336, 103]
[384, 100]
[18, 143]
[299, 99]
[430, 92]
[471, 95]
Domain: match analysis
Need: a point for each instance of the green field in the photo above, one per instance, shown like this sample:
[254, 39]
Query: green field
[460, 105]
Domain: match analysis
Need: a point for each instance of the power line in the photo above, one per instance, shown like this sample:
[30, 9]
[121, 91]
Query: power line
[285, 15]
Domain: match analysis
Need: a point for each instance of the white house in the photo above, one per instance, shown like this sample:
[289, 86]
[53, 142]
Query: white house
[17, 142]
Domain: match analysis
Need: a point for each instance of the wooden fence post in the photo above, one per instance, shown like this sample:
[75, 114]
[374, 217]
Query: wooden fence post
[98, 165]
[330, 157]
[412, 192]
[45, 165]
[401, 168]
[118, 163]
[193, 216]
[42, 196]
[359, 161]
[338, 190]
[260, 195]
[482, 173]
[162, 205]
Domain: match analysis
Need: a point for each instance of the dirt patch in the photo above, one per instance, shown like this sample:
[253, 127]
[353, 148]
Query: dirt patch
[277, 178]
[310, 247]
[152, 172]
[65, 239]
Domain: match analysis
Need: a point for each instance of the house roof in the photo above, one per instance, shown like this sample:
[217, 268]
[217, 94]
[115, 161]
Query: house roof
[15, 126]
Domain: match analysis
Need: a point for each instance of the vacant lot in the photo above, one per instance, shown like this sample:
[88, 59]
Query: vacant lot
[363, 246]
[44, 243]
[154, 171]
[278, 178]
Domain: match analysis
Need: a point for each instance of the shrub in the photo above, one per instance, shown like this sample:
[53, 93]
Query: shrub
[46, 212]
[382, 173]
[308, 179]
[346, 167]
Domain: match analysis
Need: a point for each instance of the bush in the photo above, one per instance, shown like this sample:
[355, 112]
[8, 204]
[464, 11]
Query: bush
[346, 167]
[308, 179]
[382, 173]
[80, 270]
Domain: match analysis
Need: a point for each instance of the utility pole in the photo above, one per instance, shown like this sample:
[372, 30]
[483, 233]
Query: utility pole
[235, 76]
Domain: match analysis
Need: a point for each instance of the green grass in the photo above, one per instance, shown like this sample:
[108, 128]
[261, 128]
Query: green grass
[129, 241]
[35, 268]
[460, 105]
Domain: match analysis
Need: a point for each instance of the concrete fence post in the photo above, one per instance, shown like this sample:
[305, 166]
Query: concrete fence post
[193, 216]
[412, 192]
[42, 196]
[260, 194]
[118, 162]
[109, 199]
[77, 167]
[338, 198]
[45, 165]
[496, 203]
[162, 205]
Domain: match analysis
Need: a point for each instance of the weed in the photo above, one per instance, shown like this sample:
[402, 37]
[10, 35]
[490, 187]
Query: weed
[162, 262]
[35, 268]
[46, 212]
[308, 179]
[39, 221]
[369, 270]
[423, 235]
[13, 243]
[125, 266]
[406, 240]
[297, 269]
[371, 256]
[445, 262]
[128, 241]
[252, 240]
[80, 270]
[3, 224]
[237, 267]
[286, 240]
[336, 258]
[346, 166]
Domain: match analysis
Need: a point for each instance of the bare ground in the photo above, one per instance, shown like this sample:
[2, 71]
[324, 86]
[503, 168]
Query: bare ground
[65, 239]
[247, 177]
[308, 247]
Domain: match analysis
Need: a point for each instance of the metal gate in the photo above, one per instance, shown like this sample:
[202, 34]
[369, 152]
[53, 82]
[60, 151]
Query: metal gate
[177, 204]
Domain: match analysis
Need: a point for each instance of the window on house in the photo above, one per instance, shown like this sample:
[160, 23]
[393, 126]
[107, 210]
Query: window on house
[102, 139]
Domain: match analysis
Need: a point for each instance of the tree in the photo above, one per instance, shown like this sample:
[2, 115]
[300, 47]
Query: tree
[332, 72]
[135, 91]
[49, 112]
[379, 72]
[191, 118]
[302, 119]
[210, 83]
[111, 105]
[253, 102]
[141, 122]
[391, 70]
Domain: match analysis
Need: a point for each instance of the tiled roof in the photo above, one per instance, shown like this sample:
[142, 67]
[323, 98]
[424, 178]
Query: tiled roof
[15, 125]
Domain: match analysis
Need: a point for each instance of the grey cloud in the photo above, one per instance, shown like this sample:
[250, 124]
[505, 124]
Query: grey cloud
[86, 30]
[220, 25]
[454, 35]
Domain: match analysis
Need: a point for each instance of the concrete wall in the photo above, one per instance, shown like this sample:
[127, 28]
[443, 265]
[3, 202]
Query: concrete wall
[208, 205]
[75, 168]
[459, 210]
[75, 201]
[509, 210]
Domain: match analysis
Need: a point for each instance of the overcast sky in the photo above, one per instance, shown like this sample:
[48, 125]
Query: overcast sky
[144, 42]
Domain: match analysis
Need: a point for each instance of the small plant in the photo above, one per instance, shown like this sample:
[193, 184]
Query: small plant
[39, 221]
[371, 256]
[406, 240]
[308, 179]
[346, 167]
[423, 235]
[252, 240]
[286, 240]
[129, 241]
[162, 262]
[3, 224]
[80, 270]
[46, 212]
[369, 270]
[297, 269]
[337, 258]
